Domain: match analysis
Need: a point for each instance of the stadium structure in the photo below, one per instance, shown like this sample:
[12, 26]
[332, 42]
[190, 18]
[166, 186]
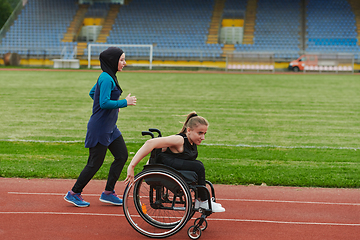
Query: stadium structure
[234, 35]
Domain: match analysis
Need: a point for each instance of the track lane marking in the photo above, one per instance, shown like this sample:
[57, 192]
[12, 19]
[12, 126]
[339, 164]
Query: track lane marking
[206, 144]
[220, 199]
[208, 219]
[292, 201]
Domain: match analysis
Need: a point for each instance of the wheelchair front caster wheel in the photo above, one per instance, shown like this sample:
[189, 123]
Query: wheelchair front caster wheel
[204, 224]
[194, 232]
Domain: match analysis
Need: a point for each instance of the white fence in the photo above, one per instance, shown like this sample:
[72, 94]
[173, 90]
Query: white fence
[250, 62]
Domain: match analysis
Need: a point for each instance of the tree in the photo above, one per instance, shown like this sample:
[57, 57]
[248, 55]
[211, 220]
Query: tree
[13, 3]
[5, 12]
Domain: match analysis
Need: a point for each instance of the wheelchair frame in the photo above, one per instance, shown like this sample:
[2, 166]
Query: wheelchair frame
[162, 199]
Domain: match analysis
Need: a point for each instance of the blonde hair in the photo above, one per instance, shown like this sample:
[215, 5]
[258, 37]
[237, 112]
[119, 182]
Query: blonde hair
[192, 121]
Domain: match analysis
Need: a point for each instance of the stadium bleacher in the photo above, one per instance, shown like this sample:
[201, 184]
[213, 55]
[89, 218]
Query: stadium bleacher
[179, 29]
[98, 9]
[175, 28]
[234, 6]
[276, 29]
[39, 28]
[331, 27]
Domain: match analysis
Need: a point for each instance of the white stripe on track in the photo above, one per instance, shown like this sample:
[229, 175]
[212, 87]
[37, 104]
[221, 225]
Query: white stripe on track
[219, 199]
[53, 194]
[40, 141]
[283, 201]
[206, 144]
[285, 222]
[67, 213]
[208, 219]
[276, 146]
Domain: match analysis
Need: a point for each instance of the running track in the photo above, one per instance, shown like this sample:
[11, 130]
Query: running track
[35, 209]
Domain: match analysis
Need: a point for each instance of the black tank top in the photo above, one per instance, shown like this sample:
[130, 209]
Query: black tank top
[190, 152]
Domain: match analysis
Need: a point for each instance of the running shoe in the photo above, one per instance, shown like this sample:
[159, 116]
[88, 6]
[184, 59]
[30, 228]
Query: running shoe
[111, 198]
[76, 199]
[215, 207]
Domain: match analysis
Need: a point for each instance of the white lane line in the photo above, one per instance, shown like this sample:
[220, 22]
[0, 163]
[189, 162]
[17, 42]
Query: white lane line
[67, 213]
[219, 199]
[277, 146]
[208, 144]
[209, 219]
[284, 222]
[283, 201]
[53, 194]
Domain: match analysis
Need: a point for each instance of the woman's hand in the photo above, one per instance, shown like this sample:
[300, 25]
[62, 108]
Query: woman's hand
[130, 175]
[131, 100]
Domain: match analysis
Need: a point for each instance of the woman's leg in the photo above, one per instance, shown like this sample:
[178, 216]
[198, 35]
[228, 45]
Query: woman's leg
[191, 165]
[96, 159]
[120, 153]
[196, 166]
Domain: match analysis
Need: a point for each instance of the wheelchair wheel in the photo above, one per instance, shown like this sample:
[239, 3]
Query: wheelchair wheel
[194, 232]
[158, 204]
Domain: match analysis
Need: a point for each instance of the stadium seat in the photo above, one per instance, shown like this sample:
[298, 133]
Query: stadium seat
[39, 34]
[331, 29]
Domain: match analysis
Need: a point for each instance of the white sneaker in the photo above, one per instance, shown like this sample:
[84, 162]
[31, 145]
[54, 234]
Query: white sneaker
[204, 204]
[216, 207]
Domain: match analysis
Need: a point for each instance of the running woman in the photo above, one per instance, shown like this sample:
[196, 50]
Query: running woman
[102, 132]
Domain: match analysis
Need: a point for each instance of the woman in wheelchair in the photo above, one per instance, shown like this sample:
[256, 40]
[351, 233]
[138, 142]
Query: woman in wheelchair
[180, 152]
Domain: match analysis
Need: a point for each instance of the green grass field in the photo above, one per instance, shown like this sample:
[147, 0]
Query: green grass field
[278, 129]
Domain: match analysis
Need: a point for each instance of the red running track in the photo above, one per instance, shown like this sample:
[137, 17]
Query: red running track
[35, 209]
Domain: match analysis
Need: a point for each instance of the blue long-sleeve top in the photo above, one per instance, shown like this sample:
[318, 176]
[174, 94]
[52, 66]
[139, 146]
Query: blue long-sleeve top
[107, 84]
[102, 124]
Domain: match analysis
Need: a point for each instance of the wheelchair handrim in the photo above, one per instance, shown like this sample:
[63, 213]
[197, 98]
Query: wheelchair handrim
[174, 227]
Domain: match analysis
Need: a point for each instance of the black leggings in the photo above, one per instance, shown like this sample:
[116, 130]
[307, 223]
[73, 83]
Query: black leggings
[190, 165]
[96, 159]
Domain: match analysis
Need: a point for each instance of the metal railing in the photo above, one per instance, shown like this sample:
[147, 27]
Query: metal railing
[158, 54]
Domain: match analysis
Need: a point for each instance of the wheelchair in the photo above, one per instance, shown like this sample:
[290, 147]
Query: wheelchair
[161, 200]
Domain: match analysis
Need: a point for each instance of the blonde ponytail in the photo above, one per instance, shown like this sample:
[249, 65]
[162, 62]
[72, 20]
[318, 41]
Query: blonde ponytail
[192, 121]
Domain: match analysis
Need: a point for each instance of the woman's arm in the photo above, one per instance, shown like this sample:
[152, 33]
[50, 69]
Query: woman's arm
[92, 92]
[175, 141]
[107, 84]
